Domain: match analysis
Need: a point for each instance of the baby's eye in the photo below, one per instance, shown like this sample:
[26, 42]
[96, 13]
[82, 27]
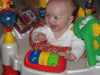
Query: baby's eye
[56, 17]
[48, 15]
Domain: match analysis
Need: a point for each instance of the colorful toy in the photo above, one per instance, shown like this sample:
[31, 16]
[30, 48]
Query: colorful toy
[4, 5]
[44, 58]
[89, 7]
[25, 19]
[42, 4]
[87, 28]
[47, 61]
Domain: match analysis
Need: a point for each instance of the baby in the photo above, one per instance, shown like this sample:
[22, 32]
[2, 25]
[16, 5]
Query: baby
[59, 17]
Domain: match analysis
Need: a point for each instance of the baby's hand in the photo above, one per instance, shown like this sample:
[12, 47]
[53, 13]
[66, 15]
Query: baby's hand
[40, 37]
[68, 56]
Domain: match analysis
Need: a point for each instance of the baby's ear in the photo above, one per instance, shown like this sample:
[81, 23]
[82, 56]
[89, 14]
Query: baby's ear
[71, 18]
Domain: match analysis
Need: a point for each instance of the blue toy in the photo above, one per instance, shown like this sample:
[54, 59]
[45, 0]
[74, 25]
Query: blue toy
[7, 18]
[88, 5]
[34, 56]
[41, 13]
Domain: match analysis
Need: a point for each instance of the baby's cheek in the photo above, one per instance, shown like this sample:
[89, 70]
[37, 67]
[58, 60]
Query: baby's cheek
[61, 27]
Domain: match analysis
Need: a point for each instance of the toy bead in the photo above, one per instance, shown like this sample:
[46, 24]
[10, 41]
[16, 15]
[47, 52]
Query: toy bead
[43, 58]
[53, 59]
[34, 56]
[7, 18]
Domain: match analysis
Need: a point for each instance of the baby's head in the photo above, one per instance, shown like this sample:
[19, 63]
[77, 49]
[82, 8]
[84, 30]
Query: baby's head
[60, 14]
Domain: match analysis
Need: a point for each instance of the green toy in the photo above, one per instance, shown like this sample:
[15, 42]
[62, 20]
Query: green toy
[88, 29]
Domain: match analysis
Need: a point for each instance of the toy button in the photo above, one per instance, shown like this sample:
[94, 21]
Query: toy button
[96, 45]
[53, 59]
[96, 29]
[34, 56]
[43, 58]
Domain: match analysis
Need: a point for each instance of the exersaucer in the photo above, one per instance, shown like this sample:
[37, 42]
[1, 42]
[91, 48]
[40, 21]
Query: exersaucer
[16, 52]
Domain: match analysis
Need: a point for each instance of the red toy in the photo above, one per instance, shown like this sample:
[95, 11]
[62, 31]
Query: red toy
[61, 65]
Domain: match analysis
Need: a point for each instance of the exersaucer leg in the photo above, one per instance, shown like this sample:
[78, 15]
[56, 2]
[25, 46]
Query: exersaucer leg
[8, 70]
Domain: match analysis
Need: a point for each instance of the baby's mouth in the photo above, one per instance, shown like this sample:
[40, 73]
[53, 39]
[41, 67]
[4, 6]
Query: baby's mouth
[53, 26]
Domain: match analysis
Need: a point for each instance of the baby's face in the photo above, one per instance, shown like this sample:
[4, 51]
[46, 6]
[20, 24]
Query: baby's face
[58, 16]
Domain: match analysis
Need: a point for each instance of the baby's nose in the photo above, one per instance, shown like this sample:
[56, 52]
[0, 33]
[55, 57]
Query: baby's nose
[51, 19]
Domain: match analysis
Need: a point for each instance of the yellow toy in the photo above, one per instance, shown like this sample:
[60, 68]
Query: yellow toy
[42, 3]
[9, 38]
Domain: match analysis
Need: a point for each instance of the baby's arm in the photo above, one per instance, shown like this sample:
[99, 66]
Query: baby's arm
[40, 37]
[39, 34]
[77, 51]
[68, 56]
[78, 47]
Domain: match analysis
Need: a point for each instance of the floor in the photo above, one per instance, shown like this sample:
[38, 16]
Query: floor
[19, 6]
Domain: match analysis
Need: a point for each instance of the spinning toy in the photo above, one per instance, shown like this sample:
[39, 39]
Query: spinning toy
[45, 61]
[4, 5]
